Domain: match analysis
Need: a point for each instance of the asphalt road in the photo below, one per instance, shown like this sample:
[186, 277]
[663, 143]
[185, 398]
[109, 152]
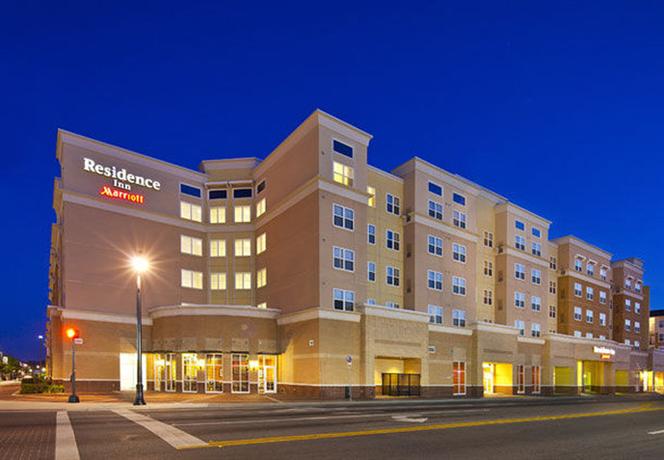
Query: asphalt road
[529, 429]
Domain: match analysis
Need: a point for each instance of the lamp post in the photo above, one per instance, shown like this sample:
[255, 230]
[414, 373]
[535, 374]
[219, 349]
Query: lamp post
[140, 265]
[42, 342]
[73, 334]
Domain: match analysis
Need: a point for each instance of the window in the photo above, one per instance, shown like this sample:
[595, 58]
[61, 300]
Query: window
[190, 211]
[343, 300]
[392, 240]
[628, 282]
[242, 247]
[536, 373]
[390, 304]
[393, 204]
[459, 199]
[590, 269]
[261, 243]
[459, 253]
[242, 214]
[637, 307]
[536, 232]
[435, 189]
[602, 319]
[589, 335]
[435, 246]
[242, 280]
[392, 276]
[371, 301]
[552, 311]
[628, 342]
[459, 318]
[371, 201]
[217, 248]
[459, 219]
[435, 210]
[637, 326]
[590, 318]
[343, 174]
[371, 271]
[578, 313]
[342, 148]
[242, 193]
[536, 303]
[488, 297]
[217, 194]
[435, 280]
[217, 281]
[520, 242]
[578, 265]
[628, 325]
[519, 299]
[553, 263]
[602, 337]
[218, 215]
[603, 273]
[191, 279]
[488, 239]
[602, 297]
[191, 245]
[343, 217]
[637, 286]
[521, 326]
[343, 259]
[458, 378]
[260, 207]
[535, 330]
[262, 306]
[520, 271]
[519, 225]
[637, 344]
[240, 373]
[578, 290]
[577, 334]
[458, 285]
[590, 293]
[371, 234]
[260, 187]
[488, 268]
[261, 278]
[628, 305]
[537, 249]
[190, 190]
[435, 314]
[536, 276]
[552, 287]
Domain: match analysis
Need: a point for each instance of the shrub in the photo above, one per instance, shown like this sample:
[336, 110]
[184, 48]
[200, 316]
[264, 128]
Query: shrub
[42, 387]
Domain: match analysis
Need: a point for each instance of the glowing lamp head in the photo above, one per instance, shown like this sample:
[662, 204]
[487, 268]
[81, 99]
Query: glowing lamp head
[71, 333]
[140, 264]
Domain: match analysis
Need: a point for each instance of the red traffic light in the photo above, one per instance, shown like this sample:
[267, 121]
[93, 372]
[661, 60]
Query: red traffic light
[72, 333]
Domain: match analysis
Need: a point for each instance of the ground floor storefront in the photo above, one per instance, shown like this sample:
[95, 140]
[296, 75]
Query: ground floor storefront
[375, 352]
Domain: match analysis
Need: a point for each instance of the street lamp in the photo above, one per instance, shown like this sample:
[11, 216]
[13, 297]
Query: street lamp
[72, 334]
[140, 265]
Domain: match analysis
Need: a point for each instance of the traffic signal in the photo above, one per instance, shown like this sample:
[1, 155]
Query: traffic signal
[72, 333]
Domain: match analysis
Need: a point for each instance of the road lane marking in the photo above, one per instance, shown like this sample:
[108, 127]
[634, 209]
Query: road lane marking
[656, 432]
[411, 419]
[173, 436]
[65, 441]
[432, 427]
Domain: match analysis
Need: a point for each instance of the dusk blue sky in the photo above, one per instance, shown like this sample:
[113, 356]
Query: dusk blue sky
[557, 106]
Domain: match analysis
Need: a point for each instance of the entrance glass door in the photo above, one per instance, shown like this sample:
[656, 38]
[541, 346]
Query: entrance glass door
[240, 373]
[488, 373]
[214, 373]
[267, 374]
[189, 372]
[158, 371]
[169, 372]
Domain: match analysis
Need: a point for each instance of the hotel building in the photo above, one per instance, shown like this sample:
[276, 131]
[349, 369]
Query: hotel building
[312, 273]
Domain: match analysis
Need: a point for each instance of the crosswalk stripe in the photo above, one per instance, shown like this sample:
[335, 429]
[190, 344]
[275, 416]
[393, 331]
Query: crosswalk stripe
[173, 436]
[65, 441]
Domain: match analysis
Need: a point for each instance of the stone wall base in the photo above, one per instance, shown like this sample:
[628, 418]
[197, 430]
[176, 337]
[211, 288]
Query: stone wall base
[327, 392]
[91, 386]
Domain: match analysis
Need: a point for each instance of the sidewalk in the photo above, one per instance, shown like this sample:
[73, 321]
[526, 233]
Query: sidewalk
[160, 400]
